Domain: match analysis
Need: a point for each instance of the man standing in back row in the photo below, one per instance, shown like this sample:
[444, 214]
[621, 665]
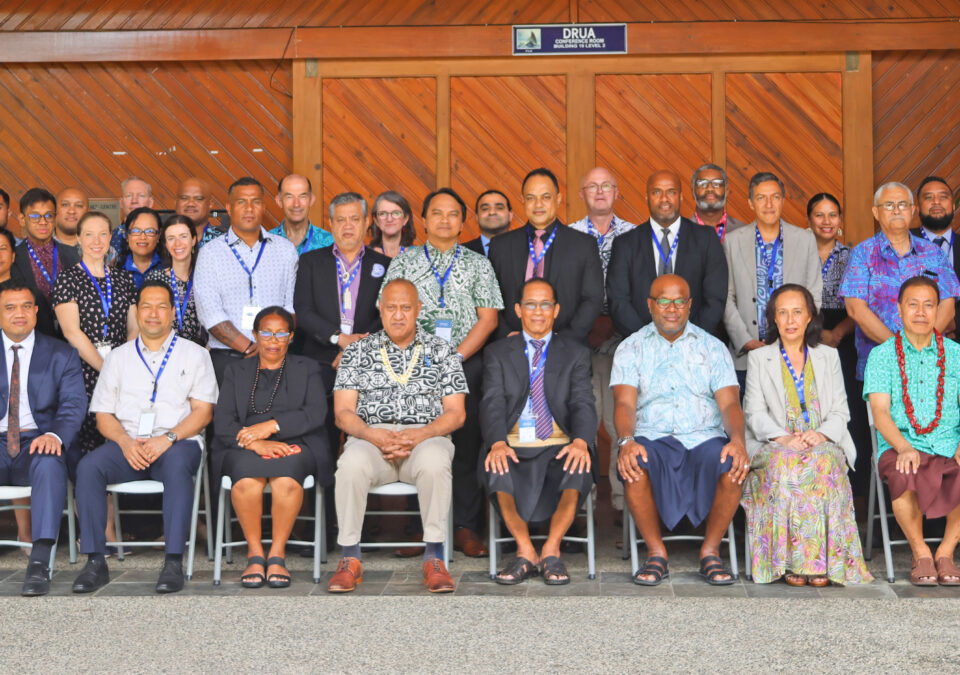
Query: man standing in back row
[710, 196]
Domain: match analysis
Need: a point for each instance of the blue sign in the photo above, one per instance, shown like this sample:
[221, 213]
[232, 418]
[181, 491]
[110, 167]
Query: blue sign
[572, 38]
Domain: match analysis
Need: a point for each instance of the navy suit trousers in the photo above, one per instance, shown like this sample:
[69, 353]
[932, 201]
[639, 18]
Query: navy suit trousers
[47, 477]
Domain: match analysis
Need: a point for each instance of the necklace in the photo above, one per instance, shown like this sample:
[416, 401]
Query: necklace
[273, 394]
[907, 403]
[405, 377]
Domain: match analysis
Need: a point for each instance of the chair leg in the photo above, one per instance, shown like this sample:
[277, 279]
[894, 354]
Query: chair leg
[116, 524]
[53, 552]
[747, 554]
[492, 519]
[71, 524]
[884, 524]
[191, 545]
[625, 537]
[871, 509]
[207, 511]
[732, 540]
[591, 540]
[319, 538]
[448, 544]
[227, 526]
[218, 548]
[634, 557]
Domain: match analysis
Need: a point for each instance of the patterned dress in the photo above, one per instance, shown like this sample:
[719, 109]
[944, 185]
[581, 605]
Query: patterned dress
[799, 506]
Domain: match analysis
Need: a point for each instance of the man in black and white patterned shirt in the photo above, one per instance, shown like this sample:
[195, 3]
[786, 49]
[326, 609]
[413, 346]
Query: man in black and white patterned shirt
[399, 395]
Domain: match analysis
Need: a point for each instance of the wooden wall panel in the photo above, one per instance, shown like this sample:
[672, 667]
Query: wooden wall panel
[916, 116]
[380, 134]
[501, 128]
[762, 10]
[651, 122]
[92, 125]
[787, 123]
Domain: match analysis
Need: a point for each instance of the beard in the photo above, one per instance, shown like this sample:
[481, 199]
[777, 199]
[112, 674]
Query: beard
[69, 231]
[935, 224]
[703, 205]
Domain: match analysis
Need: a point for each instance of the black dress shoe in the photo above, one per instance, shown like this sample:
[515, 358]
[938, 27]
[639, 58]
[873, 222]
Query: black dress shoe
[37, 581]
[94, 575]
[171, 577]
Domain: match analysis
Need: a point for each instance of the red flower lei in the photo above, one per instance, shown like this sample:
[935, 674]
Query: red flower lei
[907, 403]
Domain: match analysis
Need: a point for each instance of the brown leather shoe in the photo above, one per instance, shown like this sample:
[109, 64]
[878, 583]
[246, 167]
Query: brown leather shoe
[470, 543]
[436, 578]
[349, 573]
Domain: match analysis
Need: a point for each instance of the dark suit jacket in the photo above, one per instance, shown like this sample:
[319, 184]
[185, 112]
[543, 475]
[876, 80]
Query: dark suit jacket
[476, 245]
[58, 399]
[632, 270]
[572, 265]
[67, 256]
[956, 248]
[318, 307]
[506, 386]
[300, 408]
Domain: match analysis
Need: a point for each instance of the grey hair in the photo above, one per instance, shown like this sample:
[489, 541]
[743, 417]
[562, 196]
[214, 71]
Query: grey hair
[348, 198]
[891, 186]
[706, 167]
[123, 185]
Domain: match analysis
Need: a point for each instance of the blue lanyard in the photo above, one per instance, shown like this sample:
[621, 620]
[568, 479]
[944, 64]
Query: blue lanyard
[40, 267]
[827, 264]
[263, 243]
[163, 364]
[665, 258]
[595, 232]
[772, 263]
[446, 275]
[534, 372]
[343, 285]
[923, 233]
[798, 381]
[180, 306]
[546, 247]
[105, 301]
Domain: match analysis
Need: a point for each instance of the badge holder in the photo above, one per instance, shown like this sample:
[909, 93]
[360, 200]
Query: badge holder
[103, 348]
[444, 328]
[527, 426]
[249, 314]
[145, 425]
[346, 326]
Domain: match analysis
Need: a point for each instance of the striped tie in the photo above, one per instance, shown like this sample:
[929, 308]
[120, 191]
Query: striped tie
[13, 407]
[538, 399]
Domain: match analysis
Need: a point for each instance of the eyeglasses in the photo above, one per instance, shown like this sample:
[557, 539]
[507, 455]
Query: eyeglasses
[703, 183]
[269, 335]
[136, 232]
[902, 205]
[666, 302]
[546, 305]
[389, 215]
[36, 217]
[593, 188]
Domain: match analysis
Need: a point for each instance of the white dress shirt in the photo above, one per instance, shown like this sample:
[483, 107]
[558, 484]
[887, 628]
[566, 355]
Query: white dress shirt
[672, 236]
[27, 423]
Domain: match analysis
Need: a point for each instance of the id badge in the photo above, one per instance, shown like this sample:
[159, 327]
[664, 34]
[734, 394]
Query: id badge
[249, 314]
[444, 329]
[346, 327]
[527, 428]
[103, 348]
[146, 423]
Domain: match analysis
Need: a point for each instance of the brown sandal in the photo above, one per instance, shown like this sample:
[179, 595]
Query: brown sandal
[947, 569]
[818, 581]
[792, 579]
[923, 569]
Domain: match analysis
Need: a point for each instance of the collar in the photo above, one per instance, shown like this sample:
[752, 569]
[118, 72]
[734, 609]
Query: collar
[884, 244]
[264, 236]
[689, 333]
[674, 227]
[339, 254]
[390, 344]
[485, 240]
[931, 235]
[723, 219]
[42, 247]
[437, 253]
[546, 231]
[27, 342]
[546, 338]
[128, 264]
[163, 347]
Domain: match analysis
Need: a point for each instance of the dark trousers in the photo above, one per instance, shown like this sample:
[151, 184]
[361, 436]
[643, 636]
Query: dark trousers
[221, 358]
[467, 492]
[175, 468]
[47, 477]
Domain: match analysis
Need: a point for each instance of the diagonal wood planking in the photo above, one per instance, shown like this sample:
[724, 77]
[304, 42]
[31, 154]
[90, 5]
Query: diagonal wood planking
[651, 122]
[787, 123]
[500, 129]
[380, 134]
[762, 10]
[92, 125]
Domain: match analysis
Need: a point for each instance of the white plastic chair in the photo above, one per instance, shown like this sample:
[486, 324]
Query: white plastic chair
[399, 489]
[10, 492]
[632, 539]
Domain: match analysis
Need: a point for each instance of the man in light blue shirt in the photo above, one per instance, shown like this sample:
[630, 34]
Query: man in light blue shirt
[680, 428]
[295, 197]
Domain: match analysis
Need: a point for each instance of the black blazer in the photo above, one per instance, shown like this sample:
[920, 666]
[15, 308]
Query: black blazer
[318, 307]
[506, 386]
[632, 270]
[572, 265]
[476, 245]
[55, 389]
[916, 231]
[67, 256]
[300, 409]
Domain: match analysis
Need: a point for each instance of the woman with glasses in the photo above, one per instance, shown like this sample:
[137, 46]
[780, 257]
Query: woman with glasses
[138, 255]
[179, 254]
[392, 229]
[269, 425]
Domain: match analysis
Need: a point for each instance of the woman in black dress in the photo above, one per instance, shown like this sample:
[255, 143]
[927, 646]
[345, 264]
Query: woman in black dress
[178, 241]
[269, 426]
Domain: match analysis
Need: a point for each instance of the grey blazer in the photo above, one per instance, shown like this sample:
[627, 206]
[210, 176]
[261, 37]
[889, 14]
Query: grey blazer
[801, 265]
[764, 403]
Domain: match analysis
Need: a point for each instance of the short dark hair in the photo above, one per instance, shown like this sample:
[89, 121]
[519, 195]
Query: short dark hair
[17, 285]
[280, 182]
[5, 197]
[919, 280]
[933, 179]
[535, 280]
[444, 191]
[155, 283]
[242, 182]
[176, 219]
[476, 208]
[763, 177]
[819, 197]
[136, 213]
[10, 238]
[274, 310]
[36, 195]
[811, 335]
[541, 171]
[407, 234]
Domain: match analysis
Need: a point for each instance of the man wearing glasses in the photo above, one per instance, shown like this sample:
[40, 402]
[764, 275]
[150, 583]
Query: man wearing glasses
[134, 194]
[39, 258]
[680, 430]
[710, 196]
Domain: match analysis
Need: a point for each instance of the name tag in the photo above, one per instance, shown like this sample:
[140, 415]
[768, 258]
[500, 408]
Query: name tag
[249, 314]
[527, 429]
[346, 327]
[146, 423]
[103, 348]
[444, 329]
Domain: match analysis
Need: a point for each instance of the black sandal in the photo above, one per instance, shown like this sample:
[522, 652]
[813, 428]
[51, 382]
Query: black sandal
[517, 570]
[553, 571]
[712, 567]
[278, 580]
[656, 567]
[254, 579]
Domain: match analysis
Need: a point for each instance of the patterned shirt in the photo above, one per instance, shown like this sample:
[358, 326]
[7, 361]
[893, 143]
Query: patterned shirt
[875, 273]
[882, 376]
[222, 286]
[314, 238]
[138, 276]
[767, 283]
[381, 400]
[604, 244]
[676, 382]
[832, 272]
[210, 232]
[471, 284]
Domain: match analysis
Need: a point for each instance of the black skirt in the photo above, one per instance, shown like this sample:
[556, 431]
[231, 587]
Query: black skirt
[239, 463]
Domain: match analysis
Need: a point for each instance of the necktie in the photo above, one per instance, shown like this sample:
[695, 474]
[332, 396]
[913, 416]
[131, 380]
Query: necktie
[535, 272]
[664, 250]
[538, 399]
[940, 241]
[13, 407]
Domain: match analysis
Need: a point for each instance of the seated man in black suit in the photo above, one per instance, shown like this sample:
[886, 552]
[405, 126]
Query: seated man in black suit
[538, 419]
[43, 404]
[545, 248]
[494, 215]
[667, 243]
[39, 258]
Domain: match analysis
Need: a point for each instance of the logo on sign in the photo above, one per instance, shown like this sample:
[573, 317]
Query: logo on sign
[528, 39]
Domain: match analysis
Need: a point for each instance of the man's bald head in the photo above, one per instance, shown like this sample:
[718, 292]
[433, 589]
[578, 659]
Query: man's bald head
[669, 283]
[598, 189]
[664, 197]
[399, 309]
[194, 200]
[669, 305]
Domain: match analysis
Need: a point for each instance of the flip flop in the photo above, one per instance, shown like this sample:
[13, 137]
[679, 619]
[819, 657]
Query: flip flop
[655, 567]
[277, 580]
[517, 570]
[254, 579]
[946, 568]
[923, 569]
[712, 567]
[553, 571]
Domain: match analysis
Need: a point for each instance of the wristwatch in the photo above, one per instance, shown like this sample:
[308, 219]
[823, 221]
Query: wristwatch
[171, 436]
[623, 440]
[335, 338]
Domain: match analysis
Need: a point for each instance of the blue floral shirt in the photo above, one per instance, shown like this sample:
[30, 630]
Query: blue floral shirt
[767, 283]
[315, 238]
